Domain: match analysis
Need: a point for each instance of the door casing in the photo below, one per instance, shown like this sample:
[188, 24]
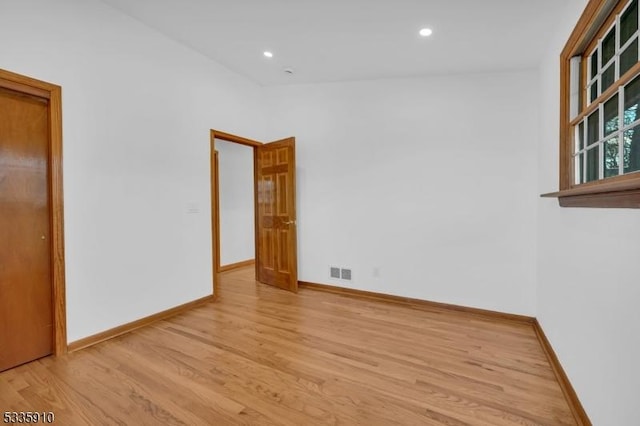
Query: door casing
[215, 198]
[53, 93]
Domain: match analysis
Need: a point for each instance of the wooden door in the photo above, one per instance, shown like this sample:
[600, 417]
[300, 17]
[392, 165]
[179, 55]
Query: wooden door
[276, 241]
[26, 312]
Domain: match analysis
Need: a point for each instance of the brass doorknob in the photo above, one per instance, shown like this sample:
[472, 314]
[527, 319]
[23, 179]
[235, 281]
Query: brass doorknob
[42, 237]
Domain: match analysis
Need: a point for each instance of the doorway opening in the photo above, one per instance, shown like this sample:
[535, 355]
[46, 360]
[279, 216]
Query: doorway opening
[236, 218]
[227, 151]
[274, 210]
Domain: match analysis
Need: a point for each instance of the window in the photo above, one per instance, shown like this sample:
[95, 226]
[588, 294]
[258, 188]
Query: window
[600, 108]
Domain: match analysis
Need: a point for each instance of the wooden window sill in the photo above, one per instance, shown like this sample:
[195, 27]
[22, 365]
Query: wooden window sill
[622, 194]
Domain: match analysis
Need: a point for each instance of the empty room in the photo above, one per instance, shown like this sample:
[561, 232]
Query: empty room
[410, 212]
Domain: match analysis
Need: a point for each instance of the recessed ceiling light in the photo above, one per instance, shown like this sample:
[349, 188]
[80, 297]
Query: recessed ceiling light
[426, 32]
[268, 54]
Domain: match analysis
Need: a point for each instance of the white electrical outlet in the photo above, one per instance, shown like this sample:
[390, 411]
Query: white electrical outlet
[192, 208]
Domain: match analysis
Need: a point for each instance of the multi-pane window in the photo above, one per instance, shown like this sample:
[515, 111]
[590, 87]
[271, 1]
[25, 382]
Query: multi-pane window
[600, 108]
[606, 131]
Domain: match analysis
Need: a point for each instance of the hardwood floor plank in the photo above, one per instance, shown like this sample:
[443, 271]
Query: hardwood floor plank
[263, 356]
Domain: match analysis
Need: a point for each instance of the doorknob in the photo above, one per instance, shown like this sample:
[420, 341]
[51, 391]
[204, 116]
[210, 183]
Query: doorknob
[289, 222]
[42, 237]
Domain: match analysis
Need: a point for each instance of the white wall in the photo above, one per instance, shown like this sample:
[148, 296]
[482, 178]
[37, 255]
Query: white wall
[432, 181]
[137, 109]
[588, 292]
[237, 237]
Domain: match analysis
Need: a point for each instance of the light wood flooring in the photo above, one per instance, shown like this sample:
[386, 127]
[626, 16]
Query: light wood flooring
[260, 355]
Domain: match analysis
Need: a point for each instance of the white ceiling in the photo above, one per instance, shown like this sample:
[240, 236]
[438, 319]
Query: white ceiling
[334, 40]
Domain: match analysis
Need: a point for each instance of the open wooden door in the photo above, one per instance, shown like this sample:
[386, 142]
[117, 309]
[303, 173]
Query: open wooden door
[276, 237]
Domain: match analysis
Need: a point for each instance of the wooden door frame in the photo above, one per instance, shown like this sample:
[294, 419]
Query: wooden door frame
[53, 93]
[215, 198]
